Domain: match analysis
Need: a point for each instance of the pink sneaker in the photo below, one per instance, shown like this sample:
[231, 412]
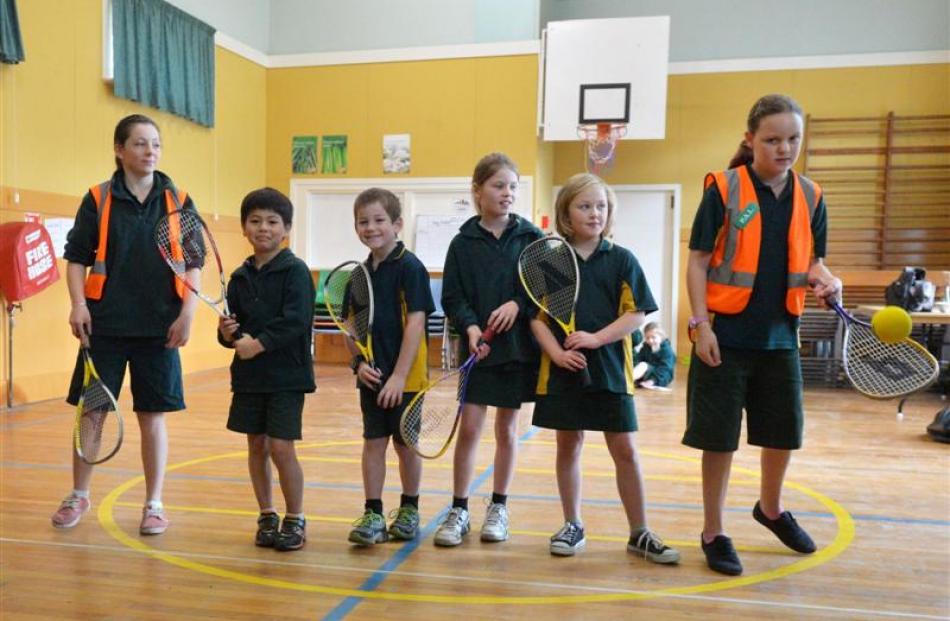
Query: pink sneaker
[154, 521]
[70, 511]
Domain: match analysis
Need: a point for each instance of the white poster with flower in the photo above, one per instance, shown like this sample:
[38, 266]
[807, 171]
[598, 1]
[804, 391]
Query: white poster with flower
[396, 154]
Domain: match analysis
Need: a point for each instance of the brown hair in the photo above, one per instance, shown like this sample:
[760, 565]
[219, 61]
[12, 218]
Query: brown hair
[654, 326]
[124, 128]
[765, 106]
[486, 169]
[388, 201]
[566, 195]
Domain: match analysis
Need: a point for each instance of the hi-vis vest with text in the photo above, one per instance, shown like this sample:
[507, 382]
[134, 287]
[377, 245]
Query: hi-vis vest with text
[102, 195]
[735, 257]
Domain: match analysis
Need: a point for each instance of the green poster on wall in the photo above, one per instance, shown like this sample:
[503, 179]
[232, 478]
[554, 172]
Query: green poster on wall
[334, 154]
[303, 155]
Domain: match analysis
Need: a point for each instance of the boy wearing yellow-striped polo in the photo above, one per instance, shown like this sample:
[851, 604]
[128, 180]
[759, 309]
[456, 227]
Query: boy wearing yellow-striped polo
[402, 300]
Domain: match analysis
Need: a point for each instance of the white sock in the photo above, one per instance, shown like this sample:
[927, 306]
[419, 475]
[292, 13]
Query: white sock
[80, 493]
[154, 505]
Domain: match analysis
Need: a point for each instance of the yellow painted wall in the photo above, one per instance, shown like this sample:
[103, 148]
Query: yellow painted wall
[57, 117]
[455, 110]
[706, 115]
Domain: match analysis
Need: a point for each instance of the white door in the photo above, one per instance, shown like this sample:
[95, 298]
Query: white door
[647, 222]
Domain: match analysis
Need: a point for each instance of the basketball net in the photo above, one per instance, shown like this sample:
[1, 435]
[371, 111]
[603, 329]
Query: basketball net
[601, 140]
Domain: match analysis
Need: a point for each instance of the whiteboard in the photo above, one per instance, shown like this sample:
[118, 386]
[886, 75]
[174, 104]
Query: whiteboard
[433, 235]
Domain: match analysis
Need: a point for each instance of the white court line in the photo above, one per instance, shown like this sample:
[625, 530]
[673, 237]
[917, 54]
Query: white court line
[548, 585]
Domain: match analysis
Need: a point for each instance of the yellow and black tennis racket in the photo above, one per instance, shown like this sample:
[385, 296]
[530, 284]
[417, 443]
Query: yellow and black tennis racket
[97, 433]
[883, 370]
[430, 420]
[348, 295]
[550, 276]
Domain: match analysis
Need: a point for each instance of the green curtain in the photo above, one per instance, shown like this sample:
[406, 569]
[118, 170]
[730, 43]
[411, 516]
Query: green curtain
[11, 44]
[164, 58]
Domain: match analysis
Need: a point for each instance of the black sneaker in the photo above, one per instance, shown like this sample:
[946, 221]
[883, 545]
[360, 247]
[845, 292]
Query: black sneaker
[267, 525]
[292, 535]
[721, 555]
[786, 529]
[568, 540]
[646, 544]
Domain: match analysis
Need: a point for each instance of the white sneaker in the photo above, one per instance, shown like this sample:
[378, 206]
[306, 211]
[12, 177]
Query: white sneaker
[453, 528]
[495, 527]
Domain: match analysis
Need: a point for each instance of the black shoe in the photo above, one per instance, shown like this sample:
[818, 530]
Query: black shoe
[721, 555]
[786, 529]
[292, 535]
[267, 525]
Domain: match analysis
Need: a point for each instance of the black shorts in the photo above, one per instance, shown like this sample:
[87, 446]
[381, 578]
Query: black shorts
[588, 411]
[382, 422]
[155, 371]
[274, 414]
[766, 383]
[504, 386]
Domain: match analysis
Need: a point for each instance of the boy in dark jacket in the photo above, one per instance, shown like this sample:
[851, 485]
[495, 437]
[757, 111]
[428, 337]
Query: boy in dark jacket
[271, 300]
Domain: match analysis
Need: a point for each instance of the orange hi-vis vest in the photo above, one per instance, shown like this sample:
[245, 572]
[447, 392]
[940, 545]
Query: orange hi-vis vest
[102, 195]
[735, 257]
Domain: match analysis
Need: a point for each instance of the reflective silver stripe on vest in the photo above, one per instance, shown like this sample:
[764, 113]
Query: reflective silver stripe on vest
[800, 279]
[723, 273]
[105, 189]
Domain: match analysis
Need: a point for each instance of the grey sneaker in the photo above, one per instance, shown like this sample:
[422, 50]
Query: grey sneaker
[648, 545]
[495, 527]
[568, 540]
[455, 525]
[369, 529]
[405, 524]
[267, 527]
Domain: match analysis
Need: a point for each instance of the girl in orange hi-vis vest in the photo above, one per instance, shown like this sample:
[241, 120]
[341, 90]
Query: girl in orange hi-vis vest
[756, 247]
[129, 307]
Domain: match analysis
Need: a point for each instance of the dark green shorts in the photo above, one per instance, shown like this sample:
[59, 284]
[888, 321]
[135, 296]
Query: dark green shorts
[155, 371]
[381, 422]
[591, 411]
[504, 386]
[275, 414]
[766, 383]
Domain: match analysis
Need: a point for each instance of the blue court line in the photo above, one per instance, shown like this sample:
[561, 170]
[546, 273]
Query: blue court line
[370, 584]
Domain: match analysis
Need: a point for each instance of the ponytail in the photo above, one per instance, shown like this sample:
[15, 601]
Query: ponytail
[742, 156]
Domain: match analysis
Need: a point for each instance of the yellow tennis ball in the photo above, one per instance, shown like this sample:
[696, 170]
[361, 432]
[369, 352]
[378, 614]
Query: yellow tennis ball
[891, 324]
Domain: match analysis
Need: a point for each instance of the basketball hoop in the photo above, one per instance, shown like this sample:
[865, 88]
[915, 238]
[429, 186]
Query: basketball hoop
[601, 139]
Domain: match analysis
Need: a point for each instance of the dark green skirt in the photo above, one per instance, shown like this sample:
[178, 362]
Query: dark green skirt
[504, 386]
[587, 411]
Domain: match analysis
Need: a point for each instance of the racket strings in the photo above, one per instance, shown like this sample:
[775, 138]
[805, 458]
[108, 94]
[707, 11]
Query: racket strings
[551, 277]
[347, 295]
[429, 420]
[100, 431]
[885, 369]
[187, 230]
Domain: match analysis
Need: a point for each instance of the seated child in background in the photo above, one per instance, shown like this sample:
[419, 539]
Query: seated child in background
[655, 360]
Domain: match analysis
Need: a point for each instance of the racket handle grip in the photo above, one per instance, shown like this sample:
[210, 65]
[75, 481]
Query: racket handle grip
[487, 336]
[586, 381]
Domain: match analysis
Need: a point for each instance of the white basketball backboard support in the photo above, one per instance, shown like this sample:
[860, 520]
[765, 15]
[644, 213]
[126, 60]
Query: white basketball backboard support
[629, 50]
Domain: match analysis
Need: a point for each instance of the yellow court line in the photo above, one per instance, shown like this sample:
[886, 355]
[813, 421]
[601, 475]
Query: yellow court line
[842, 540]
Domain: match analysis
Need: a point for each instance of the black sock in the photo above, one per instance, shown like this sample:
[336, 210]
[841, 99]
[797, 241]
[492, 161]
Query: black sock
[460, 502]
[375, 505]
[499, 499]
[412, 501]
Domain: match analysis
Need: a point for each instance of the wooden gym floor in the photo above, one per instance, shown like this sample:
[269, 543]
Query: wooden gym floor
[872, 490]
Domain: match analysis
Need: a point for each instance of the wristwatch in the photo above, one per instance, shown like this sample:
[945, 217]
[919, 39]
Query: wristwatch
[355, 363]
[694, 323]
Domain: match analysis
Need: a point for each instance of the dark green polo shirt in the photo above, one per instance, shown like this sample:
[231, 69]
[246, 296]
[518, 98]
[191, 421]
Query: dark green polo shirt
[139, 298]
[612, 283]
[400, 286]
[481, 274]
[764, 323]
